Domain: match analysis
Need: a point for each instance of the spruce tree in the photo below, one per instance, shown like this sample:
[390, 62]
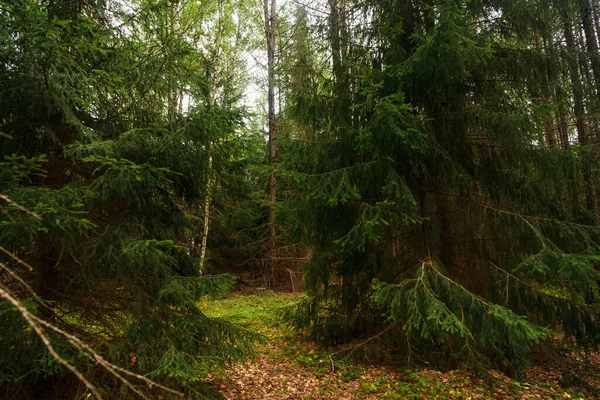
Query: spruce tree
[99, 169]
[428, 186]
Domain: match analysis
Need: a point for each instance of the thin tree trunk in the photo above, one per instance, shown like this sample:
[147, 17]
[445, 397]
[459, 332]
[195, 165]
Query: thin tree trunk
[47, 253]
[337, 37]
[590, 195]
[270, 15]
[211, 73]
[172, 102]
[549, 131]
[590, 40]
[336, 46]
[596, 12]
[343, 19]
[561, 120]
[206, 222]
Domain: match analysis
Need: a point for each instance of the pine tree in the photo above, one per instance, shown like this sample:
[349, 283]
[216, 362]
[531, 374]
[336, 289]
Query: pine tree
[98, 172]
[429, 191]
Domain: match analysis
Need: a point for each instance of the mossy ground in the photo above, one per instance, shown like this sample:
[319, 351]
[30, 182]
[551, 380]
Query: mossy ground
[290, 366]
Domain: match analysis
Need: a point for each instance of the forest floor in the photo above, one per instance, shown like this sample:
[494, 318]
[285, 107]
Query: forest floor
[290, 366]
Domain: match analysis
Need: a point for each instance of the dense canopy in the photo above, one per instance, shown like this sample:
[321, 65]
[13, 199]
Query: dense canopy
[429, 167]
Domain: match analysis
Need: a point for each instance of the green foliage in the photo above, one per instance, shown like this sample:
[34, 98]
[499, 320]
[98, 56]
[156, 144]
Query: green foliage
[434, 309]
[32, 358]
[103, 178]
[449, 211]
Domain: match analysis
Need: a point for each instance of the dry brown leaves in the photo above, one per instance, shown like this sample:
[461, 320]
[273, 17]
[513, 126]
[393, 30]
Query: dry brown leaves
[276, 375]
[272, 377]
[269, 378]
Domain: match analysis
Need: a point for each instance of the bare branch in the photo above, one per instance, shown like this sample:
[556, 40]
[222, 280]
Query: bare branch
[20, 207]
[76, 342]
[32, 320]
[17, 259]
[22, 282]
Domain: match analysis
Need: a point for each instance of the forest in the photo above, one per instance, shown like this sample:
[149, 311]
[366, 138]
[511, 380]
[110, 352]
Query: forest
[295, 199]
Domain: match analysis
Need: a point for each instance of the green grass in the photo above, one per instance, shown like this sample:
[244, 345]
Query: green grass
[258, 312]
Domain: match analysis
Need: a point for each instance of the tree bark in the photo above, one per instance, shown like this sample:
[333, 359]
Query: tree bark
[590, 40]
[173, 100]
[336, 45]
[211, 72]
[561, 121]
[545, 96]
[206, 222]
[446, 242]
[579, 109]
[270, 16]
[47, 253]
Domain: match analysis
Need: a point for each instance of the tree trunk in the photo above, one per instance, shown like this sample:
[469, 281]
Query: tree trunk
[590, 195]
[270, 16]
[446, 242]
[47, 254]
[211, 72]
[561, 121]
[550, 134]
[545, 96]
[596, 13]
[173, 100]
[336, 52]
[590, 40]
[206, 222]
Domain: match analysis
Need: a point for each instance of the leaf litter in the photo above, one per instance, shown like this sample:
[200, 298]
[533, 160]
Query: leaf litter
[291, 367]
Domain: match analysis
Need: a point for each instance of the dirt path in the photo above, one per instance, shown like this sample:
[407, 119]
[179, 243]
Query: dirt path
[291, 367]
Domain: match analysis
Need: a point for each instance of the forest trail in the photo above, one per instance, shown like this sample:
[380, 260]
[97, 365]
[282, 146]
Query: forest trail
[289, 366]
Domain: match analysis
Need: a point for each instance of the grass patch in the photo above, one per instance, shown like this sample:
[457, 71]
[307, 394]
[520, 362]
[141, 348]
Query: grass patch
[259, 312]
